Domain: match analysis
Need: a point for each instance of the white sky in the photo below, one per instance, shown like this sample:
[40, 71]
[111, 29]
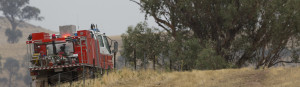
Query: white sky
[112, 16]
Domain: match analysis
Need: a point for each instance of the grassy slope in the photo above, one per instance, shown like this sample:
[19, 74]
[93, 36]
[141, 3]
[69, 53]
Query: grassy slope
[245, 77]
[17, 50]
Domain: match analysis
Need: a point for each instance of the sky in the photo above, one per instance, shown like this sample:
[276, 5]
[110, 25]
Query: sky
[112, 16]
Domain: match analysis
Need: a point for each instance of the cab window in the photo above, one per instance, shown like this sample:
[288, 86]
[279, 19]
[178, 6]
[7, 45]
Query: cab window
[100, 39]
[106, 43]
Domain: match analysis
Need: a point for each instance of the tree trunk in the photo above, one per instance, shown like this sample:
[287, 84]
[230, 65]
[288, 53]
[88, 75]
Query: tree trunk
[245, 57]
[9, 81]
[134, 55]
[144, 61]
[242, 61]
[163, 62]
[11, 72]
[154, 62]
[125, 61]
[170, 64]
[14, 26]
[14, 23]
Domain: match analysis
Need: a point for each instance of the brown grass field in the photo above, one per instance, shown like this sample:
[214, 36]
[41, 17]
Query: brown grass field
[245, 77]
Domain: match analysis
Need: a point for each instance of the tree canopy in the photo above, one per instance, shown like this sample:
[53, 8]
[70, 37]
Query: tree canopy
[16, 12]
[141, 43]
[243, 32]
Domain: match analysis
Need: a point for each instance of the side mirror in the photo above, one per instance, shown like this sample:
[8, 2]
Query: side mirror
[115, 47]
[29, 37]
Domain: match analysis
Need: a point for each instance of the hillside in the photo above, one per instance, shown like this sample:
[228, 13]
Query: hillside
[16, 51]
[245, 77]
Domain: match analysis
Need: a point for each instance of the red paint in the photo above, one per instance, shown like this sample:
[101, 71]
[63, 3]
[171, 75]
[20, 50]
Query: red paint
[89, 48]
[40, 36]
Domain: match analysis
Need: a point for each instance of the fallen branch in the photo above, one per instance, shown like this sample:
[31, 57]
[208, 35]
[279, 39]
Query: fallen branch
[285, 62]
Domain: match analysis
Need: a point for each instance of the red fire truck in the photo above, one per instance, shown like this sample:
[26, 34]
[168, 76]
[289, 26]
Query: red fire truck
[70, 55]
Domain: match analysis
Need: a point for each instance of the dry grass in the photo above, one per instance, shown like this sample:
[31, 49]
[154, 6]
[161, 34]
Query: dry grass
[245, 77]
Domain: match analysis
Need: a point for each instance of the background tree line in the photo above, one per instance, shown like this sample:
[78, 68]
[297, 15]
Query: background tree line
[12, 67]
[142, 44]
[214, 34]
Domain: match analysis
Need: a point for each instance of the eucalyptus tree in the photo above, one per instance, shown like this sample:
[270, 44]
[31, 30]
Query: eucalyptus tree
[242, 31]
[16, 12]
[143, 43]
[12, 66]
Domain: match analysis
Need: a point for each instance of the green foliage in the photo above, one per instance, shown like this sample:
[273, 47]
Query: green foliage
[141, 43]
[208, 59]
[192, 55]
[185, 50]
[241, 31]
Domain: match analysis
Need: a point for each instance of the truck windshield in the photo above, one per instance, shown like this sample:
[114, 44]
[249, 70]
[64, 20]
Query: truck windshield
[100, 41]
[106, 43]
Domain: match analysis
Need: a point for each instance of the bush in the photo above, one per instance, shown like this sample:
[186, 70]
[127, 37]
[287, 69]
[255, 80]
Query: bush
[208, 59]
